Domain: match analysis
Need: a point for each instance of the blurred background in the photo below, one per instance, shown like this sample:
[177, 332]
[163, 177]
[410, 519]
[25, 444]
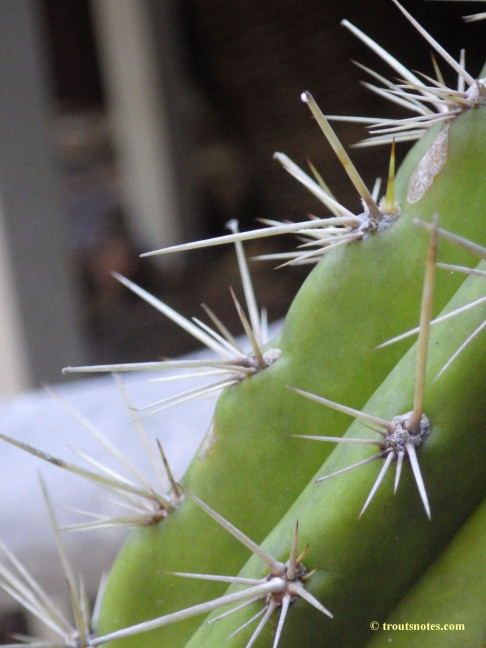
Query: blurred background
[131, 125]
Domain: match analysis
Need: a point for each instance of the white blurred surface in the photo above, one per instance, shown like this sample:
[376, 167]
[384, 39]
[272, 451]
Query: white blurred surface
[39, 419]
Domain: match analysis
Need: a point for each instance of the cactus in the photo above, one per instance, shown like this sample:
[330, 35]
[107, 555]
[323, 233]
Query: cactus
[381, 548]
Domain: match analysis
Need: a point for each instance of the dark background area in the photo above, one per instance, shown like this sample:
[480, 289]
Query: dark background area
[247, 63]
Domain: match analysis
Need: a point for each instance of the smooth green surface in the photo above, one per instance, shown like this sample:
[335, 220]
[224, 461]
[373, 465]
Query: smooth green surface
[365, 566]
[451, 596]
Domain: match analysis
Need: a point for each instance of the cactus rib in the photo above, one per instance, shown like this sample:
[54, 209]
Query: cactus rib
[283, 586]
[355, 551]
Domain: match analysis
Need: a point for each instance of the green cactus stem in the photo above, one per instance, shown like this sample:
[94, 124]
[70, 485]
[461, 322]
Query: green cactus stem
[366, 565]
[261, 414]
[446, 607]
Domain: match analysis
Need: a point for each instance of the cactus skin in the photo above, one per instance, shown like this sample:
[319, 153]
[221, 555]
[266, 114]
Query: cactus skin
[366, 565]
[450, 592]
[454, 190]
[260, 413]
